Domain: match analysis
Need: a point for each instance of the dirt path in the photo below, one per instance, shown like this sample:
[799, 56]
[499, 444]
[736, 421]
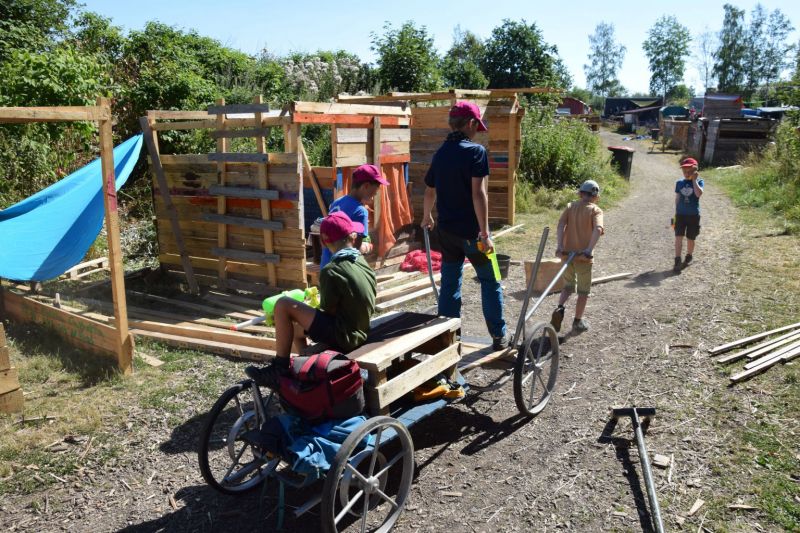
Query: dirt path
[557, 471]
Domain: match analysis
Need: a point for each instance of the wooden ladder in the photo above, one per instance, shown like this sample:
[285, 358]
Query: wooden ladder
[262, 193]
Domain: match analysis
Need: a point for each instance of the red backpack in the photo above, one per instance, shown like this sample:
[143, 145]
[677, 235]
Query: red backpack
[323, 386]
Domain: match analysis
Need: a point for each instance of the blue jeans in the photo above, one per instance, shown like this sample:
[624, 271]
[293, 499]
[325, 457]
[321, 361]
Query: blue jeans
[454, 250]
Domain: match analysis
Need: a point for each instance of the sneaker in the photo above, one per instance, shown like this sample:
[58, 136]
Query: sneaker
[500, 343]
[677, 266]
[269, 376]
[557, 317]
[580, 325]
[687, 260]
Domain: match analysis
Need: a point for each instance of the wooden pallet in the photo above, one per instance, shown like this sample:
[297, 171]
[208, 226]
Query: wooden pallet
[10, 392]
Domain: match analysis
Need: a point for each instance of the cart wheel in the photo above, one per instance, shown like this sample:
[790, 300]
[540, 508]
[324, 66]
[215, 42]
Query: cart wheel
[228, 463]
[536, 369]
[364, 490]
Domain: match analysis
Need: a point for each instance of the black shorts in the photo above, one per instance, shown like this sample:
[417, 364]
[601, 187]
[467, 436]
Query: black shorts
[687, 226]
[323, 329]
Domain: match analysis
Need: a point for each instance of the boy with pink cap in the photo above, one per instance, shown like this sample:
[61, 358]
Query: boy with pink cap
[457, 183]
[364, 185]
[687, 211]
[347, 289]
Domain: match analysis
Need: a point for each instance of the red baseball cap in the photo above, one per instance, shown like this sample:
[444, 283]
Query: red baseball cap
[366, 173]
[337, 225]
[468, 110]
[689, 162]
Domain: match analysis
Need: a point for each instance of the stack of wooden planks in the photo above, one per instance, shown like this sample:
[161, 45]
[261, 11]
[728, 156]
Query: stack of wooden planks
[728, 139]
[783, 346]
[10, 393]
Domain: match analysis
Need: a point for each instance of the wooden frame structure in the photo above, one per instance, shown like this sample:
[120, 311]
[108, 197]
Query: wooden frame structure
[79, 331]
[503, 115]
[236, 220]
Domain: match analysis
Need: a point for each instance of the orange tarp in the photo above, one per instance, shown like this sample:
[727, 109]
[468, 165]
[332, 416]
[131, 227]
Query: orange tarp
[395, 206]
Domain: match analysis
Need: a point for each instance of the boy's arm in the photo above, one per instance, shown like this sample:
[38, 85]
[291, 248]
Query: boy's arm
[698, 188]
[596, 232]
[677, 199]
[480, 203]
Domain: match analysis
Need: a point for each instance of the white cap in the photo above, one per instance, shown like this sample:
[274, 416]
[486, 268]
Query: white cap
[590, 187]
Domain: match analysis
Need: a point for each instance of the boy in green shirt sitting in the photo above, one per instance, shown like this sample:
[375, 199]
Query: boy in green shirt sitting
[347, 288]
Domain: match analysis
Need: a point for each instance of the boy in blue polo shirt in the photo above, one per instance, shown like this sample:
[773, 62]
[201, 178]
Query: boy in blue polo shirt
[456, 182]
[687, 211]
[364, 185]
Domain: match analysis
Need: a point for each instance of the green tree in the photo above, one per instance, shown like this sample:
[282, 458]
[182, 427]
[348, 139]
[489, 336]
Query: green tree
[777, 50]
[753, 60]
[461, 64]
[730, 55]
[518, 56]
[33, 25]
[666, 47]
[605, 58]
[407, 59]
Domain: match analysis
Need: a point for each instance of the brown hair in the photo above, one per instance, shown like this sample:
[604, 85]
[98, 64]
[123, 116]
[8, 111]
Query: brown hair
[458, 123]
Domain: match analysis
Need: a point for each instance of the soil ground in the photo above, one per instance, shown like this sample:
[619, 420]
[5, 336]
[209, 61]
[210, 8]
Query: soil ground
[481, 467]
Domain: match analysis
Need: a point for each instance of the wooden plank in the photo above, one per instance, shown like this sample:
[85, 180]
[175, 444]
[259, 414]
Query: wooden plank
[364, 135]
[151, 141]
[342, 120]
[9, 380]
[177, 115]
[75, 330]
[233, 157]
[289, 272]
[312, 177]
[238, 134]
[220, 348]
[741, 342]
[415, 376]
[772, 355]
[184, 125]
[222, 181]
[231, 109]
[21, 115]
[257, 223]
[11, 402]
[243, 255]
[348, 109]
[378, 356]
[232, 338]
[401, 290]
[124, 342]
[767, 362]
[194, 306]
[5, 362]
[410, 297]
[243, 192]
[376, 160]
[474, 356]
[512, 166]
[761, 348]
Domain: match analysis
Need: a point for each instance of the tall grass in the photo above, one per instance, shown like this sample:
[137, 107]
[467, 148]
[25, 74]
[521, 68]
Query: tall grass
[555, 158]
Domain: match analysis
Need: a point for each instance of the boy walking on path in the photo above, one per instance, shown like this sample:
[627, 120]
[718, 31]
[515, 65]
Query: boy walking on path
[687, 211]
[366, 181]
[347, 289]
[579, 229]
[457, 183]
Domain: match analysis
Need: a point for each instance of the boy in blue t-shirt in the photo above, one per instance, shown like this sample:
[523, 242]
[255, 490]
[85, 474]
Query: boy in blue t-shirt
[364, 185]
[687, 211]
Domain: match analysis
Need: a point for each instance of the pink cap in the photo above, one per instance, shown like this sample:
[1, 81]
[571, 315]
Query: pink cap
[468, 110]
[366, 173]
[337, 226]
[689, 162]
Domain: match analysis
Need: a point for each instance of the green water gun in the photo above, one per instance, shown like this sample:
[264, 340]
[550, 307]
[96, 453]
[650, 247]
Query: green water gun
[309, 296]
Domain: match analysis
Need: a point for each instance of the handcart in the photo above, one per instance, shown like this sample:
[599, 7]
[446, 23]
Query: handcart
[368, 482]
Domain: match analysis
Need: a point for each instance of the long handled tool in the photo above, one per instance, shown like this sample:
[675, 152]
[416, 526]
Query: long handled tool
[430, 263]
[634, 413]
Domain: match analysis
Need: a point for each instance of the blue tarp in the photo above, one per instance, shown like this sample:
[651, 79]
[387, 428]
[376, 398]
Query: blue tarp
[48, 233]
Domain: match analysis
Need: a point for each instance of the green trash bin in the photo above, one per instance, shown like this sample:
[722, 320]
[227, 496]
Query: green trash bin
[622, 157]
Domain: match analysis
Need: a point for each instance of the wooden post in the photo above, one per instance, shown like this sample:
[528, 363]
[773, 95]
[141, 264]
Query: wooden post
[334, 141]
[222, 203]
[376, 160]
[511, 183]
[151, 140]
[124, 338]
[263, 183]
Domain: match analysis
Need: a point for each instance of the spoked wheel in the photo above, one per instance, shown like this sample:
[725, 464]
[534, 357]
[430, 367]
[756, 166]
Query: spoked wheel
[229, 464]
[369, 481]
[536, 369]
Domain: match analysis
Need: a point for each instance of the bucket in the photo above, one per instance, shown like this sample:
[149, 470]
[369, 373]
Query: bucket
[503, 262]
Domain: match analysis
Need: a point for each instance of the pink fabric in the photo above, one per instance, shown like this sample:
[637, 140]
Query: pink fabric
[417, 261]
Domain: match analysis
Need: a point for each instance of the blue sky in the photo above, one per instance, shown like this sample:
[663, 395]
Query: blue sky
[303, 25]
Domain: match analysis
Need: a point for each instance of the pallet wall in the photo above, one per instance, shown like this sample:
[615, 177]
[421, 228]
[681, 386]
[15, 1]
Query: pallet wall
[729, 139]
[429, 130]
[10, 394]
[189, 178]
